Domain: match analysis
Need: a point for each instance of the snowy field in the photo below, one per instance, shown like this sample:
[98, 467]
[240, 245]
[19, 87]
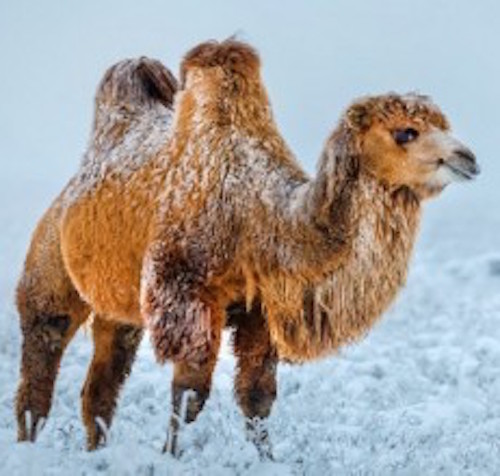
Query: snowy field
[421, 394]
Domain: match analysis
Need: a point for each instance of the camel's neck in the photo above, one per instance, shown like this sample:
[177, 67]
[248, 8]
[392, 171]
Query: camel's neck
[351, 298]
[319, 217]
[377, 262]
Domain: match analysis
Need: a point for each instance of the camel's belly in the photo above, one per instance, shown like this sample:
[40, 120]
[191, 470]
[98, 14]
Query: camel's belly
[103, 247]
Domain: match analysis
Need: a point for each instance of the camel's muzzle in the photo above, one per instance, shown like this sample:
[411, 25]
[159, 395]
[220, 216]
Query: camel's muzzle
[462, 164]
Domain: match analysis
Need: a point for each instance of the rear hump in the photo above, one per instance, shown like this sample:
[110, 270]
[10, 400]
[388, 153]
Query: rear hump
[137, 84]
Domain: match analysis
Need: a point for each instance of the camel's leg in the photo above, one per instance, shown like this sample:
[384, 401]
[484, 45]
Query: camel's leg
[255, 384]
[190, 390]
[185, 320]
[115, 347]
[48, 323]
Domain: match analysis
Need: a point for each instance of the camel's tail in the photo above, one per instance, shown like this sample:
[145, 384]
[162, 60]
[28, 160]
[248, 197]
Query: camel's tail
[136, 84]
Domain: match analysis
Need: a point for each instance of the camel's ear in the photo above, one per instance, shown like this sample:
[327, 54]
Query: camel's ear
[359, 117]
[139, 82]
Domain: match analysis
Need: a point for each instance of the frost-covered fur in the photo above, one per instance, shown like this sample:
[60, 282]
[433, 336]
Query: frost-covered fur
[168, 224]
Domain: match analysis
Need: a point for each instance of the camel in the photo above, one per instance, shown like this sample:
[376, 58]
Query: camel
[204, 218]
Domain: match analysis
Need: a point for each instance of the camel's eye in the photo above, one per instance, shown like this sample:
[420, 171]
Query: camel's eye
[403, 136]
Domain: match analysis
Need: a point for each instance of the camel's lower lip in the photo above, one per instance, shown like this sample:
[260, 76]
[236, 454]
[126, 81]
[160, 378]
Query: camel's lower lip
[459, 172]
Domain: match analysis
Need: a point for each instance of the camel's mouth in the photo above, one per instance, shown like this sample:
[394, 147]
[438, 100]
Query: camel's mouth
[462, 165]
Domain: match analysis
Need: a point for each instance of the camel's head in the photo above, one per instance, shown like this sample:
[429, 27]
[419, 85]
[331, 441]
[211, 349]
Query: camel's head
[406, 141]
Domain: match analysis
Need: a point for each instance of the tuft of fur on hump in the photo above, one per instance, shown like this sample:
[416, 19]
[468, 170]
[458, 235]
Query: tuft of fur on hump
[136, 83]
[234, 57]
[222, 85]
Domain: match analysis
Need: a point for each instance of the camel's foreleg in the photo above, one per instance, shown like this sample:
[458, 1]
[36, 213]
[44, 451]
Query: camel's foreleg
[115, 347]
[185, 319]
[190, 390]
[255, 384]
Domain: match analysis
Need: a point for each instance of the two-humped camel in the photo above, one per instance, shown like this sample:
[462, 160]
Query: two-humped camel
[172, 221]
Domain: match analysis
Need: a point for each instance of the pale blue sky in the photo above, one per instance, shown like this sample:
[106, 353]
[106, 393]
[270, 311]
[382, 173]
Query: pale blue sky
[317, 56]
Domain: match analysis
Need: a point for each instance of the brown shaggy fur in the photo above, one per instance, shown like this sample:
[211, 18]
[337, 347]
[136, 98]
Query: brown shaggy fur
[168, 229]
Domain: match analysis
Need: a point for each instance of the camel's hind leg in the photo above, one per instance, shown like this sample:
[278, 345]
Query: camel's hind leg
[48, 323]
[255, 384]
[115, 347]
[51, 311]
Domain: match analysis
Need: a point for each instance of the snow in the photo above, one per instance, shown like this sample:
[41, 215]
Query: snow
[419, 395]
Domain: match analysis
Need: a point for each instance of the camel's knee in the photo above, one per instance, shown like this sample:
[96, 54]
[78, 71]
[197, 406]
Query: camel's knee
[257, 401]
[256, 391]
[256, 386]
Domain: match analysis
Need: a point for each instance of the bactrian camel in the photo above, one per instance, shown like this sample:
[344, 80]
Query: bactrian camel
[190, 215]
